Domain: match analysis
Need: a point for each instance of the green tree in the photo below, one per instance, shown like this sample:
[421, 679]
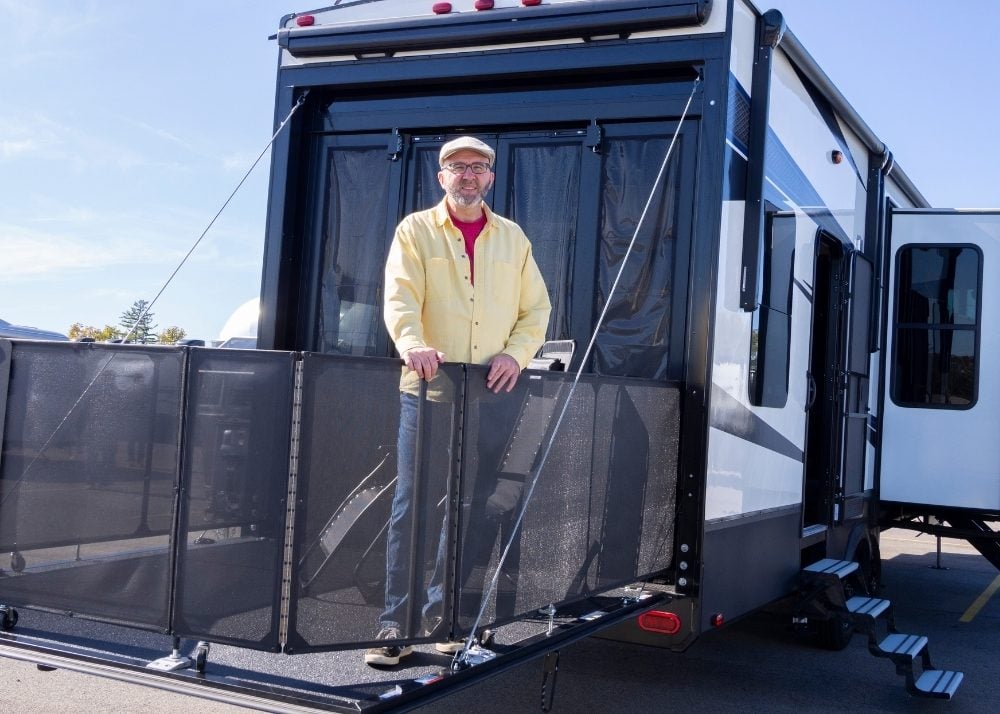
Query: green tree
[138, 323]
[78, 331]
[172, 335]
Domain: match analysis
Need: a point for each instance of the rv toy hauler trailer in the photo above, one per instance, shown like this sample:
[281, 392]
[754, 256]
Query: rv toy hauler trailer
[791, 315]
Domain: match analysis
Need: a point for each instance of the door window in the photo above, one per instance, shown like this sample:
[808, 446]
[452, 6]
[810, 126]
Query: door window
[936, 326]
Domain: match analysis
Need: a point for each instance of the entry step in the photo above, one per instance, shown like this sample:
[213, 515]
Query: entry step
[898, 645]
[830, 566]
[937, 683]
[871, 606]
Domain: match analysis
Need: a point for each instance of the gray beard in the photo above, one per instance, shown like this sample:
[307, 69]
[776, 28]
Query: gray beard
[467, 201]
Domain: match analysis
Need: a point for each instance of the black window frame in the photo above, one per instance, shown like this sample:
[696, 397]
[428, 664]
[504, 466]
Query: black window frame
[975, 328]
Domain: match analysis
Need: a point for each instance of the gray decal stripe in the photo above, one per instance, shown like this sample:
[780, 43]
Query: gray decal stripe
[730, 416]
[829, 117]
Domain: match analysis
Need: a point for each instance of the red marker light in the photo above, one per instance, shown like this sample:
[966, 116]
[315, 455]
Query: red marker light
[660, 622]
[305, 20]
[441, 8]
[484, 4]
[718, 620]
[531, 3]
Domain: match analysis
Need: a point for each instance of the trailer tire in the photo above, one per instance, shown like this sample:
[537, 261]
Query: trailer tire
[200, 656]
[8, 618]
[866, 580]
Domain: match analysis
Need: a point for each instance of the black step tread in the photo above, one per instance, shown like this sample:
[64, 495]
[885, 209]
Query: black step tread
[831, 566]
[938, 683]
[872, 606]
[900, 645]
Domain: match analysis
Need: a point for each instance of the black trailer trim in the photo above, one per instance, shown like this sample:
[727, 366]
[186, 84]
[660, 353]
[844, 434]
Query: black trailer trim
[556, 22]
[5, 367]
[769, 30]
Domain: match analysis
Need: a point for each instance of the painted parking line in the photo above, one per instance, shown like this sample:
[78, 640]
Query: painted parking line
[975, 607]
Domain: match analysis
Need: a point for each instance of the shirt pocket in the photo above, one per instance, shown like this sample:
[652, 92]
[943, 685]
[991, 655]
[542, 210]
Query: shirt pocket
[439, 280]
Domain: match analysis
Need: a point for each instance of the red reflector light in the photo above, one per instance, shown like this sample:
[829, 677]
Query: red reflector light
[718, 620]
[305, 20]
[484, 4]
[441, 8]
[531, 3]
[663, 623]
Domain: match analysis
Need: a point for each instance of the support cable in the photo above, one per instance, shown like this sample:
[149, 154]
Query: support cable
[138, 320]
[461, 657]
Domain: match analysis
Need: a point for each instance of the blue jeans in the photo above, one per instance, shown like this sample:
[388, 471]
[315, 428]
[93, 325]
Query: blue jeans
[398, 608]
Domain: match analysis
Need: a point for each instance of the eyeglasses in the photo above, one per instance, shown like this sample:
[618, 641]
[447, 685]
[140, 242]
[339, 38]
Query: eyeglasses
[458, 169]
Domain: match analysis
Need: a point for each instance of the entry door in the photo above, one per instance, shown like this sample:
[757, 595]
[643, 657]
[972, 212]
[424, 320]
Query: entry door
[837, 431]
[854, 385]
[823, 428]
[941, 424]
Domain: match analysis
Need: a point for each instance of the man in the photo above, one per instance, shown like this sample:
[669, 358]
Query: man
[460, 285]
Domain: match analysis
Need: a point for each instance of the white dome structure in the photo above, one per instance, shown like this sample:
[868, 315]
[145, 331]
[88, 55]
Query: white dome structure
[240, 329]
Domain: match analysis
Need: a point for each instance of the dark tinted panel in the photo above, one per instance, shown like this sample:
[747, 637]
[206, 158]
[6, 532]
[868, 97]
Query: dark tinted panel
[87, 478]
[347, 481]
[427, 191]
[634, 340]
[601, 512]
[938, 286]
[937, 331]
[861, 300]
[770, 331]
[544, 199]
[354, 253]
[935, 367]
[235, 472]
[779, 261]
[769, 348]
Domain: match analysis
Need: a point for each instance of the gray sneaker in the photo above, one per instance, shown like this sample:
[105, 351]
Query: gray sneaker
[389, 655]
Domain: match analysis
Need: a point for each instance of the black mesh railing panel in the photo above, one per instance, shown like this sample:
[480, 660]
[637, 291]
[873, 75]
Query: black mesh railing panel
[87, 477]
[601, 512]
[234, 492]
[347, 481]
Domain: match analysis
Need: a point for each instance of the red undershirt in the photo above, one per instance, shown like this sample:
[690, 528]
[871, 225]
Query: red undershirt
[470, 231]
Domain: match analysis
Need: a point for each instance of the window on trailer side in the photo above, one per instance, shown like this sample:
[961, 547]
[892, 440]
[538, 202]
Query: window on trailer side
[770, 329]
[935, 360]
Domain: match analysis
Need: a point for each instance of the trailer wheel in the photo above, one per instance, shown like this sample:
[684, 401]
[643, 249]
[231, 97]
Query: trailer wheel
[200, 656]
[8, 618]
[16, 562]
[835, 634]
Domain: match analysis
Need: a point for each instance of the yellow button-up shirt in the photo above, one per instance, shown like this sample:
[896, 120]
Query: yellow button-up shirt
[431, 301]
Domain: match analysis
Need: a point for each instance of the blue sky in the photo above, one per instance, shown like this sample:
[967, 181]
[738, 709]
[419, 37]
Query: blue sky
[124, 126]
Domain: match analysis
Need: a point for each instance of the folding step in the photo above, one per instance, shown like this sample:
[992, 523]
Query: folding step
[870, 606]
[937, 683]
[898, 646]
[830, 566]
